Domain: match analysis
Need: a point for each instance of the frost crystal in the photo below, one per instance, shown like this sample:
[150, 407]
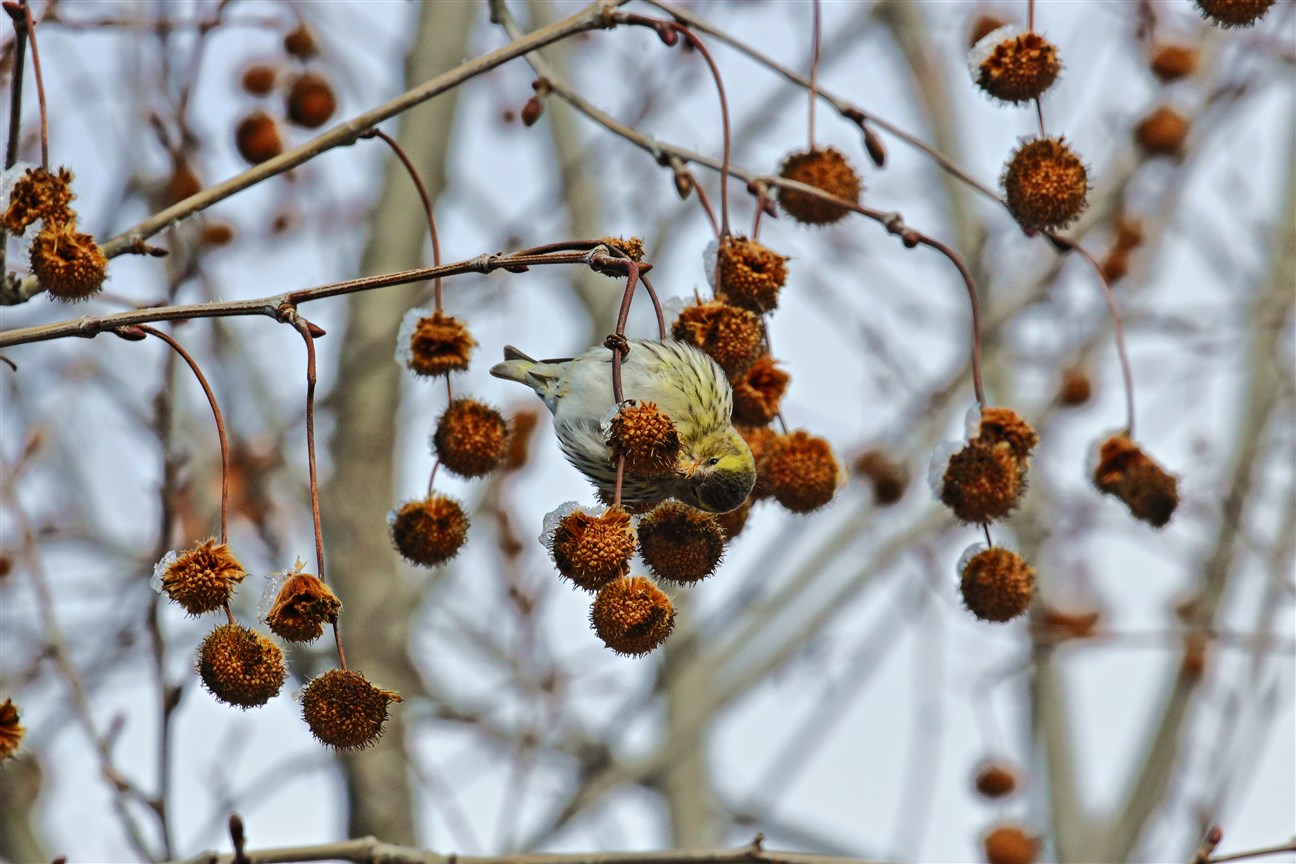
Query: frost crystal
[968, 554]
[939, 463]
[981, 51]
[160, 569]
[405, 335]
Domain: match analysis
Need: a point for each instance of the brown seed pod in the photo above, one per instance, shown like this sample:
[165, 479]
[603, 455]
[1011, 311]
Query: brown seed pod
[1054, 625]
[258, 79]
[183, 182]
[1233, 13]
[1006, 843]
[825, 169]
[1162, 132]
[888, 477]
[1016, 67]
[11, 731]
[758, 393]
[39, 194]
[345, 711]
[69, 264]
[240, 666]
[1045, 184]
[200, 579]
[1196, 651]
[982, 482]
[592, 551]
[435, 344]
[1003, 424]
[647, 439]
[749, 275]
[522, 423]
[731, 523]
[997, 585]
[730, 336]
[995, 778]
[471, 438]
[1125, 471]
[632, 616]
[1127, 232]
[310, 101]
[1076, 388]
[1170, 62]
[257, 138]
[681, 543]
[1115, 264]
[216, 232]
[300, 42]
[429, 532]
[802, 471]
[302, 607]
[759, 439]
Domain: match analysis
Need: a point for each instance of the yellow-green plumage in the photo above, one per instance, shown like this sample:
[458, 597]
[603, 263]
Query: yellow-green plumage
[716, 471]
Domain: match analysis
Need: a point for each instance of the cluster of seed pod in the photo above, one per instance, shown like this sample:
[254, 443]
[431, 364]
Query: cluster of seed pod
[245, 668]
[68, 263]
[308, 98]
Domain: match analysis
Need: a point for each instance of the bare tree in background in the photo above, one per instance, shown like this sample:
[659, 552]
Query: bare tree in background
[1111, 255]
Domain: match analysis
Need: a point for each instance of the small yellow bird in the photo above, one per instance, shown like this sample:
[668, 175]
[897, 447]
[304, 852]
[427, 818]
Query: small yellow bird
[715, 470]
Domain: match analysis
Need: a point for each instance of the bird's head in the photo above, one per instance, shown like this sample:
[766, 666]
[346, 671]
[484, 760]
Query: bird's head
[721, 473]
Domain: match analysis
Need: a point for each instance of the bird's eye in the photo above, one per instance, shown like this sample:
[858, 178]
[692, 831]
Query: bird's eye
[714, 460]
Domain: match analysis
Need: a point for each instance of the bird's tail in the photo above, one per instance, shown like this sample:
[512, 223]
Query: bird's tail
[515, 367]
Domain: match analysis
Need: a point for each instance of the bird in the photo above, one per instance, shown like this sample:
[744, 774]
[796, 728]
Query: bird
[715, 471]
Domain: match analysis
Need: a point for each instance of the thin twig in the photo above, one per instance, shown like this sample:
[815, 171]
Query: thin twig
[424, 197]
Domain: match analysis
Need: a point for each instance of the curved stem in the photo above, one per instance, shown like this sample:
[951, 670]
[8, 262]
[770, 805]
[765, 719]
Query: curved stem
[304, 329]
[216, 413]
[40, 84]
[423, 196]
[908, 235]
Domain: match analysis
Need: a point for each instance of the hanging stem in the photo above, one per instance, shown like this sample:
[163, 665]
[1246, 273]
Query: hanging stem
[216, 413]
[22, 10]
[1118, 327]
[423, 196]
[304, 329]
[814, 72]
[15, 89]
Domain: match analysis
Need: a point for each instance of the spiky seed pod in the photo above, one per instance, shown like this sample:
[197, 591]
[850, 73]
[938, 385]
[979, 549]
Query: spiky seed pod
[471, 438]
[631, 246]
[1233, 13]
[1162, 132]
[1045, 184]
[257, 138]
[1008, 843]
[731, 523]
[982, 482]
[429, 532]
[681, 543]
[646, 437]
[995, 778]
[632, 616]
[39, 194]
[759, 439]
[300, 42]
[521, 424]
[1076, 388]
[11, 731]
[69, 264]
[730, 336]
[997, 585]
[1014, 66]
[1004, 424]
[825, 169]
[310, 101]
[985, 24]
[758, 393]
[1172, 62]
[302, 607]
[888, 477]
[1125, 471]
[258, 79]
[345, 711]
[437, 344]
[802, 471]
[240, 666]
[592, 551]
[200, 579]
[749, 275]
